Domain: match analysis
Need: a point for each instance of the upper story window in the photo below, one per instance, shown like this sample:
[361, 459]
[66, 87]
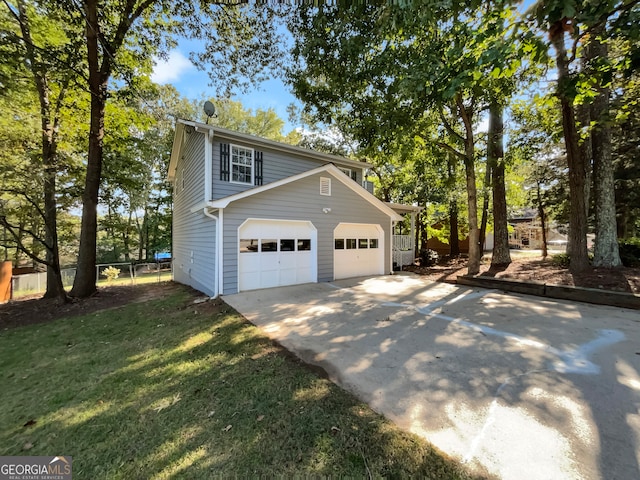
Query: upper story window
[352, 174]
[241, 164]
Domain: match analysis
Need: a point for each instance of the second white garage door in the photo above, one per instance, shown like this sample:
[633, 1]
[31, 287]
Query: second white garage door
[274, 253]
[358, 250]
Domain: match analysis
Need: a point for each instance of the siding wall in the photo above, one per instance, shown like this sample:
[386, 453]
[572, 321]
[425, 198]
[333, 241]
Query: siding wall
[301, 200]
[194, 234]
[276, 166]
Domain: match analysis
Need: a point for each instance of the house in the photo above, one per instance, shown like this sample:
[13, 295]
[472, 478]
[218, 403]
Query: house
[252, 213]
[526, 232]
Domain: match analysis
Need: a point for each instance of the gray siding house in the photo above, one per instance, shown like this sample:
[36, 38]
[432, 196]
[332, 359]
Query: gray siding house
[252, 213]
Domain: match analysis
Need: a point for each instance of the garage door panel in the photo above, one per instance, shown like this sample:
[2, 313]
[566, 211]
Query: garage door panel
[291, 257]
[353, 252]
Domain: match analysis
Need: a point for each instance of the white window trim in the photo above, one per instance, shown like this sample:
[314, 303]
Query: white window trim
[346, 171]
[253, 165]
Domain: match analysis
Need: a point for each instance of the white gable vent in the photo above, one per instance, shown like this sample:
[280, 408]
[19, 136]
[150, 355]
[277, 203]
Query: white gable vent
[325, 186]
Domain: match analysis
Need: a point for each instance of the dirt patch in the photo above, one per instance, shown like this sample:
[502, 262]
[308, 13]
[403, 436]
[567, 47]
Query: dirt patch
[39, 310]
[535, 269]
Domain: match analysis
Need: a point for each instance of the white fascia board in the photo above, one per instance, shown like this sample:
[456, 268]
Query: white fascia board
[401, 207]
[329, 168]
[198, 207]
[176, 150]
[208, 164]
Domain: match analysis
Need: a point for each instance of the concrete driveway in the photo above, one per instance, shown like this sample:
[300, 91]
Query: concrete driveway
[524, 387]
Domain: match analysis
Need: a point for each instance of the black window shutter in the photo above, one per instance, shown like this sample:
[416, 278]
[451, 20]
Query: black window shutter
[257, 162]
[224, 162]
[354, 175]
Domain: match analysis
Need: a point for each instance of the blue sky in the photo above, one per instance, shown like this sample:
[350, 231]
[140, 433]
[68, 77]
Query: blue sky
[193, 83]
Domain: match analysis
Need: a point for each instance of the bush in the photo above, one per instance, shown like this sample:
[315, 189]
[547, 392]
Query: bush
[630, 252]
[561, 260]
[111, 273]
[428, 257]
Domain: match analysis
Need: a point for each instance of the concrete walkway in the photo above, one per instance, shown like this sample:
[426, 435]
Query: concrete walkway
[522, 387]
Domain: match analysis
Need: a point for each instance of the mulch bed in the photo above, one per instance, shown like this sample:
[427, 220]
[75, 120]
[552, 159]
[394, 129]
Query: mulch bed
[621, 279]
[40, 310]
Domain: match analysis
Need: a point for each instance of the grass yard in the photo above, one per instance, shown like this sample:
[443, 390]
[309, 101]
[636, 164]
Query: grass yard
[166, 388]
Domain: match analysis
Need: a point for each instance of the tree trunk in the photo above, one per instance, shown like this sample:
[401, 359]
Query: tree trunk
[495, 160]
[577, 172]
[473, 266]
[454, 239]
[606, 252]
[84, 284]
[583, 116]
[543, 219]
[485, 207]
[55, 288]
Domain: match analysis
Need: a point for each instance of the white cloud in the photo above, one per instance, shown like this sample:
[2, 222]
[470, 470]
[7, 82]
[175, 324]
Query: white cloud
[170, 70]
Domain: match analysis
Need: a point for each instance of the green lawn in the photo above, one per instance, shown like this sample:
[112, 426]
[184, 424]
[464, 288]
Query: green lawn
[169, 389]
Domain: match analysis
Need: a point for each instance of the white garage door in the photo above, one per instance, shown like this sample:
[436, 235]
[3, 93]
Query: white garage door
[358, 250]
[274, 253]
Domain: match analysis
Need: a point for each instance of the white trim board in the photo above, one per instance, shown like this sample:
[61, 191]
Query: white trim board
[330, 169]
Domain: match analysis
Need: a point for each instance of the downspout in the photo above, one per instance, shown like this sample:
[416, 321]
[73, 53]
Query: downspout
[208, 185]
[216, 267]
[220, 252]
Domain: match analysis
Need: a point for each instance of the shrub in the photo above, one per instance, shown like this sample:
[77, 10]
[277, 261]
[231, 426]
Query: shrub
[111, 273]
[428, 257]
[561, 260]
[630, 252]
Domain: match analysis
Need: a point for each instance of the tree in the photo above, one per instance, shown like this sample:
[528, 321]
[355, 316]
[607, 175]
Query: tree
[535, 149]
[379, 70]
[232, 47]
[50, 57]
[263, 123]
[496, 163]
[625, 140]
[588, 25]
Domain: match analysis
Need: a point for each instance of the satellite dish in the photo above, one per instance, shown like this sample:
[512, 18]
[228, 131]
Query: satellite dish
[209, 110]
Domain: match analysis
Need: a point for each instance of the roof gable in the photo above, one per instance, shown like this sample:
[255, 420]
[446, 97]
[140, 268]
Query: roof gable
[328, 168]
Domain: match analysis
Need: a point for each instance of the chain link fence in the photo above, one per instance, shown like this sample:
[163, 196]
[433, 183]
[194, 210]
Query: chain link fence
[107, 274]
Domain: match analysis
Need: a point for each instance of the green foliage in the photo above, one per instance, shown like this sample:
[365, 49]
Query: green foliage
[561, 260]
[262, 123]
[630, 251]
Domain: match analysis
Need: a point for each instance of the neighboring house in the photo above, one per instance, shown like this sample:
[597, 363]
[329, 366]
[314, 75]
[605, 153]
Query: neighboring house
[526, 232]
[252, 213]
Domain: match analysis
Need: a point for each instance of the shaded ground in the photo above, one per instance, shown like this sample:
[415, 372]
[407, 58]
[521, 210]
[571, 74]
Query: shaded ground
[35, 309]
[179, 388]
[538, 270]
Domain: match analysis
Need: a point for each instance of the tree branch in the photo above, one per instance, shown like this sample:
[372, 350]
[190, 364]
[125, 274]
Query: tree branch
[451, 149]
[29, 199]
[12, 230]
[449, 128]
[13, 14]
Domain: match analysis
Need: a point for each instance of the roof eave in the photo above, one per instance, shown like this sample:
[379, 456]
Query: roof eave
[283, 147]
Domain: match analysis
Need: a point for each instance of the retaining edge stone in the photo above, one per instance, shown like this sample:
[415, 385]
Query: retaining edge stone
[561, 292]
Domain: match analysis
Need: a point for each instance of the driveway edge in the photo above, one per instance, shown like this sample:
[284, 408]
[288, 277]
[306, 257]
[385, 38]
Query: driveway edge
[561, 292]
